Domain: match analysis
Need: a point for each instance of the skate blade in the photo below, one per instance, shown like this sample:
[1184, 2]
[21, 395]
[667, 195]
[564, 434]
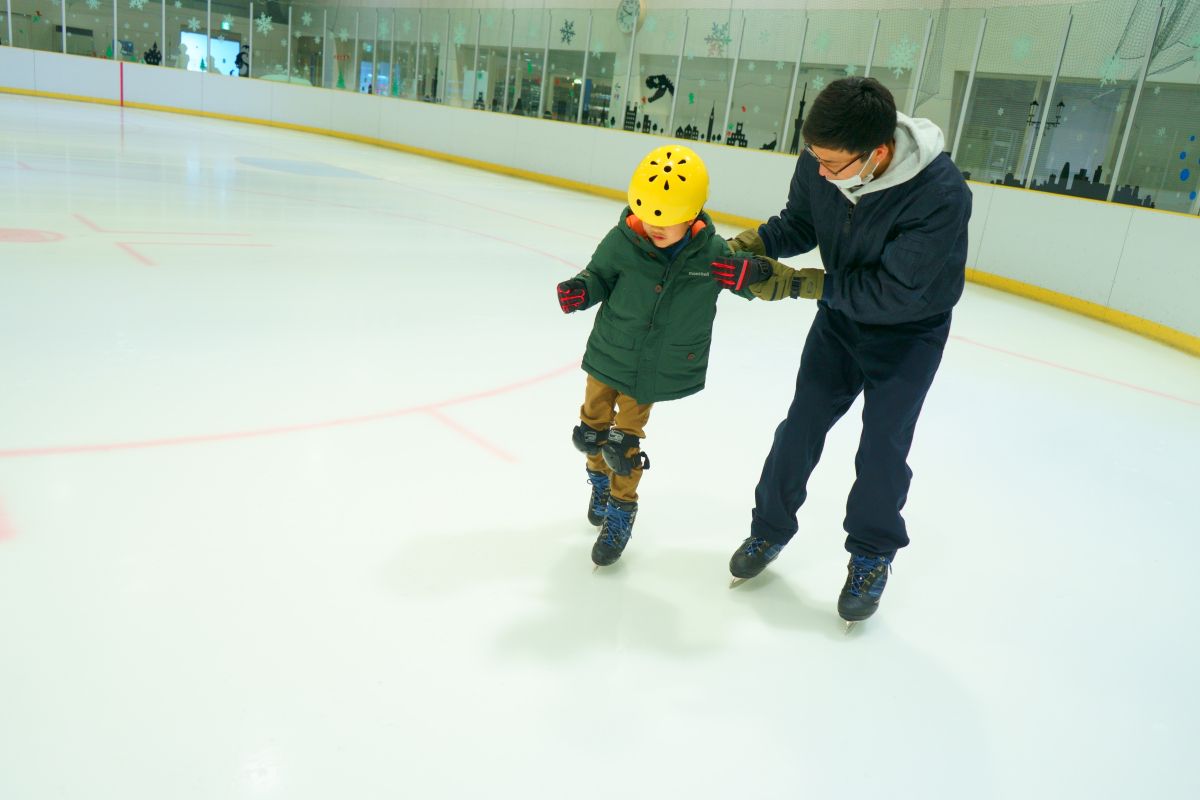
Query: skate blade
[849, 627]
[736, 582]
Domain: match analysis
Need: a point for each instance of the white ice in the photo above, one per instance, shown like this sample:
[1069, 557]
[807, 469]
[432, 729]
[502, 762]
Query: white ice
[288, 508]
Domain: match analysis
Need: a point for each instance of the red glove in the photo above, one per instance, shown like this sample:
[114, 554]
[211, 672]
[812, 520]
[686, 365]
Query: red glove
[572, 295]
[739, 271]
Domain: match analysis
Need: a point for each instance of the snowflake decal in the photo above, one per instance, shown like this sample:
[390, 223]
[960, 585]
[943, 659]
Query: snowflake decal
[193, 24]
[598, 48]
[306, 19]
[1157, 92]
[385, 28]
[179, 3]
[264, 24]
[366, 46]
[764, 37]
[343, 35]
[850, 70]
[227, 21]
[821, 43]
[768, 79]
[1159, 134]
[703, 83]
[567, 31]
[93, 4]
[297, 34]
[489, 21]
[407, 26]
[460, 33]
[137, 5]
[903, 56]
[1111, 71]
[779, 65]
[436, 39]
[818, 83]
[752, 66]
[718, 39]
[1022, 47]
[650, 25]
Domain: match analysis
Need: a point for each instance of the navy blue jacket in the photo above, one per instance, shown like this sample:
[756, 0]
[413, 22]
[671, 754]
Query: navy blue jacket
[898, 256]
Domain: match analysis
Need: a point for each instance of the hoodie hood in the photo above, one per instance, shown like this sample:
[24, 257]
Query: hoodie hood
[918, 143]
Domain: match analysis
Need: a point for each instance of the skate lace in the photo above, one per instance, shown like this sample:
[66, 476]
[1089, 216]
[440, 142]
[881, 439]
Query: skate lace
[600, 490]
[756, 546]
[867, 572]
[618, 525]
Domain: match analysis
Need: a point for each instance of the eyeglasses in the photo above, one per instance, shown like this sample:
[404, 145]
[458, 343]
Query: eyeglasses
[835, 170]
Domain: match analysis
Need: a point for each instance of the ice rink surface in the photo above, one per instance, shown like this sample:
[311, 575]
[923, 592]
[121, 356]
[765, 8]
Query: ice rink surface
[288, 509]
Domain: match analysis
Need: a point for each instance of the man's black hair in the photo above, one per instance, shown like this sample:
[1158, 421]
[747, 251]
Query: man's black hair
[852, 114]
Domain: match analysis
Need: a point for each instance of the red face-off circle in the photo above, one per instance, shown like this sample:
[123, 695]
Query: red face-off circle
[27, 236]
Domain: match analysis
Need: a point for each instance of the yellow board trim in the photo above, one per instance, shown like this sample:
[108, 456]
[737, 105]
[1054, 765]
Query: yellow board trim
[1129, 322]
[1120, 319]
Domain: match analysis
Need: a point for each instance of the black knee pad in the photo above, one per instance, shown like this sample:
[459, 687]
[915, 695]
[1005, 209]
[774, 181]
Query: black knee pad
[588, 439]
[621, 453]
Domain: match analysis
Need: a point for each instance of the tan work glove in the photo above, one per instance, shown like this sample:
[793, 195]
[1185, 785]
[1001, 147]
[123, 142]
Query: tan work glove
[786, 282]
[748, 241]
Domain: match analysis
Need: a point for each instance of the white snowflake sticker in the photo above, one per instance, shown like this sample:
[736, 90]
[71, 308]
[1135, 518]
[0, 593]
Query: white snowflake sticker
[227, 21]
[193, 24]
[264, 24]
[93, 4]
[851, 70]
[306, 19]
[752, 66]
[460, 33]
[343, 35]
[818, 83]
[1111, 71]
[137, 5]
[903, 56]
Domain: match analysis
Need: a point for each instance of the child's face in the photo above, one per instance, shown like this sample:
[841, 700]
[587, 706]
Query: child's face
[666, 236]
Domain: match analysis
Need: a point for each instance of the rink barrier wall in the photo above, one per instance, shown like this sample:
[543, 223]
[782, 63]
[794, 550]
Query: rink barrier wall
[1119, 264]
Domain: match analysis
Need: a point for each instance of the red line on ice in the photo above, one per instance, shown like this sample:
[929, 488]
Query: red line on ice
[1084, 373]
[254, 433]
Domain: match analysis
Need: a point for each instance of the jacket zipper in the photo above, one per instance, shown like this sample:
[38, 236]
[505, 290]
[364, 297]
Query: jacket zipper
[849, 218]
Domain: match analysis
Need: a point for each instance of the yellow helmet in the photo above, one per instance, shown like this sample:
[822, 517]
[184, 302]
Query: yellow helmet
[669, 186]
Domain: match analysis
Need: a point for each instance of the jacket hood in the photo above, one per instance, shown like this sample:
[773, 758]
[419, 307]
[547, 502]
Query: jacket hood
[918, 143]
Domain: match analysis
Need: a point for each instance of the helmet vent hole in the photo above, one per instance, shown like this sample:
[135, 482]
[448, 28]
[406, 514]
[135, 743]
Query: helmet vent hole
[639, 202]
[657, 213]
[666, 186]
[667, 168]
[654, 163]
[683, 161]
[681, 178]
[652, 178]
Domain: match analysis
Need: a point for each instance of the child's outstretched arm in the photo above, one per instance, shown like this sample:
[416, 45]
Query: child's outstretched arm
[591, 286]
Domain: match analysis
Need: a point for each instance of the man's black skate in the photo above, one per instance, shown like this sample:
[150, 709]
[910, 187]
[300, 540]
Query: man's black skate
[598, 504]
[866, 578]
[615, 532]
[752, 558]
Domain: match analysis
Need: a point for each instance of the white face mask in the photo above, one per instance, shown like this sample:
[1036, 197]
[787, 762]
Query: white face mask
[858, 180]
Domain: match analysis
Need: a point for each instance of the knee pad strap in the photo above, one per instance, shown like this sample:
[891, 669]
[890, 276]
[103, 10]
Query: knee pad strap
[622, 454]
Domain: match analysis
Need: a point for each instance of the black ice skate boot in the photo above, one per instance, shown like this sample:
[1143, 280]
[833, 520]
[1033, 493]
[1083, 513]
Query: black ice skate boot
[615, 532]
[752, 558]
[866, 578]
[598, 505]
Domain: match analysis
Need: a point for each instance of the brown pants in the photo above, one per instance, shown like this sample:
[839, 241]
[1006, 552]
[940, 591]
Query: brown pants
[604, 407]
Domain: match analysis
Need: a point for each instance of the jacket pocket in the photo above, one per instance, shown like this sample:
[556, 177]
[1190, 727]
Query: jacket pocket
[682, 367]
